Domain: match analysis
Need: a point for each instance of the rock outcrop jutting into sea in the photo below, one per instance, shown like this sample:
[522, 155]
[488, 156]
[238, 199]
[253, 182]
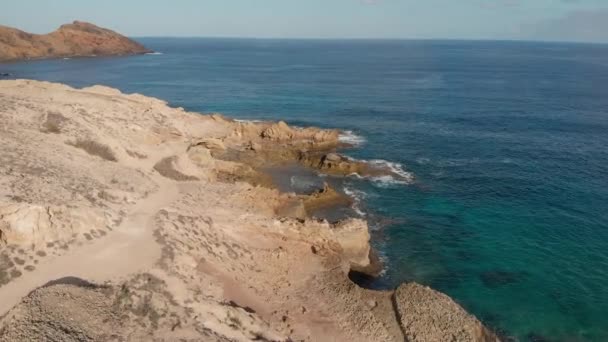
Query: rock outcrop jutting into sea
[78, 39]
[122, 218]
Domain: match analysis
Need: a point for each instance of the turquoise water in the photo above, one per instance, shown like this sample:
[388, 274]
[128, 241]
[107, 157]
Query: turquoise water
[507, 142]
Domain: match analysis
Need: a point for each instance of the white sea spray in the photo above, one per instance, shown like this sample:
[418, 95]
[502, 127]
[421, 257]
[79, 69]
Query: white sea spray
[350, 138]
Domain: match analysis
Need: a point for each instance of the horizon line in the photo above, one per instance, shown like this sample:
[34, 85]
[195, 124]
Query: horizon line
[378, 38]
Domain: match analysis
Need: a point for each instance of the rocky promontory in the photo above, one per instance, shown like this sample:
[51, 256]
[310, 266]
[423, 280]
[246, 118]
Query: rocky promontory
[78, 39]
[124, 219]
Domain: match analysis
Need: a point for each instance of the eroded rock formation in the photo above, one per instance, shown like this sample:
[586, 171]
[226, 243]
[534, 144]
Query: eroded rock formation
[160, 224]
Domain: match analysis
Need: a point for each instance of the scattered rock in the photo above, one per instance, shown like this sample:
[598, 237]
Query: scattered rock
[213, 144]
[333, 157]
[254, 146]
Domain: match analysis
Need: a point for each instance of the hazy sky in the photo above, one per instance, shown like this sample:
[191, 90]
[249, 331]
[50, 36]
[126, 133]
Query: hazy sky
[572, 20]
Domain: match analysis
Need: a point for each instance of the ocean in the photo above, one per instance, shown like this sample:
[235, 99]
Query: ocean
[507, 144]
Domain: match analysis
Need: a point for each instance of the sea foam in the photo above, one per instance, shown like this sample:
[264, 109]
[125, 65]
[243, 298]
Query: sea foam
[357, 196]
[248, 121]
[350, 138]
[400, 175]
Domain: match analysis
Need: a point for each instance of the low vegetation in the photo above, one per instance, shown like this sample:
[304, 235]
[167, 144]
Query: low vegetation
[53, 123]
[94, 148]
[165, 168]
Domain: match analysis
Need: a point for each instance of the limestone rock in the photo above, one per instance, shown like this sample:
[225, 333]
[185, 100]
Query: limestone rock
[325, 198]
[353, 236]
[278, 132]
[213, 144]
[333, 157]
[201, 156]
[25, 224]
[428, 315]
[254, 146]
[178, 168]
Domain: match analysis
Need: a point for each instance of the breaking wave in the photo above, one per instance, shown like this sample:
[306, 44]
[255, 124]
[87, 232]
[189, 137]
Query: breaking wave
[350, 138]
[248, 121]
[357, 196]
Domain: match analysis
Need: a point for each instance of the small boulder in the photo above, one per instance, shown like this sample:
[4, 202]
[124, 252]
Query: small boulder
[254, 146]
[333, 157]
[213, 144]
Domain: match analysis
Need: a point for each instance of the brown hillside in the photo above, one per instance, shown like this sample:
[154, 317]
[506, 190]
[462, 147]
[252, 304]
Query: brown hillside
[78, 39]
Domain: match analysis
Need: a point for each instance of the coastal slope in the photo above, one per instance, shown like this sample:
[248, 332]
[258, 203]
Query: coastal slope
[122, 218]
[78, 39]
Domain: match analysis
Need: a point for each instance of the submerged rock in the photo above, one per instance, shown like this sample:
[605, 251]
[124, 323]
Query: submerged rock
[498, 278]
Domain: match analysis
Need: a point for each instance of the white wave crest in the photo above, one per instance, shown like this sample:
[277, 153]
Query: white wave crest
[350, 138]
[155, 53]
[248, 121]
[423, 160]
[388, 181]
[396, 168]
[399, 175]
[358, 196]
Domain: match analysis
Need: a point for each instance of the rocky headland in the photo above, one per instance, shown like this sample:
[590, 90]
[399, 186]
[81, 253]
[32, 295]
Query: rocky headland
[124, 219]
[78, 39]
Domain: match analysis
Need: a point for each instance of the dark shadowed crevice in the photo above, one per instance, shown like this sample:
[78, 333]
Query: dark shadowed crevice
[398, 315]
[72, 281]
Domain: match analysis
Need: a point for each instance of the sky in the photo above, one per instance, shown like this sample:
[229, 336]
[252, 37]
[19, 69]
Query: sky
[553, 20]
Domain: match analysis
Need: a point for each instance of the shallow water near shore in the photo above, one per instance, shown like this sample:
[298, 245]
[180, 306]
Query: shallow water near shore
[506, 140]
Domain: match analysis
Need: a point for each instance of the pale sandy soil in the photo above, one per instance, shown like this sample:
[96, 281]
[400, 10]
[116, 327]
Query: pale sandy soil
[122, 219]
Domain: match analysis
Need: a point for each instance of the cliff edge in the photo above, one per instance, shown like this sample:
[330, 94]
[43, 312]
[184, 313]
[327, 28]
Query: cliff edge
[78, 39]
[123, 219]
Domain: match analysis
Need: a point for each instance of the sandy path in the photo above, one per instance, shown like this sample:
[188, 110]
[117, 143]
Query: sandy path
[129, 249]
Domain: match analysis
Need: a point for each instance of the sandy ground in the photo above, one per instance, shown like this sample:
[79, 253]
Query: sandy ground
[132, 248]
[123, 219]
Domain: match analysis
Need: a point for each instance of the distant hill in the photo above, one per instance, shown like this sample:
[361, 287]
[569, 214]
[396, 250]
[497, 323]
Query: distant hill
[78, 39]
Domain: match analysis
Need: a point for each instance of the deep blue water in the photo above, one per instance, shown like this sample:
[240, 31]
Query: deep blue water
[508, 142]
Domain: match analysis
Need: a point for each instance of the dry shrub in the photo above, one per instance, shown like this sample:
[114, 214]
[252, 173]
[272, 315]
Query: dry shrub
[136, 154]
[166, 169]
[94, 148]
[53, 123]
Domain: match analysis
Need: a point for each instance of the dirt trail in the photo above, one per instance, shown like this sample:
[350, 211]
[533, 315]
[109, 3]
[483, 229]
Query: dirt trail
[129, 249]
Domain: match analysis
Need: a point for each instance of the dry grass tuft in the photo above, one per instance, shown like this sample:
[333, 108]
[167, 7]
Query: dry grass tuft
[166, 169]
[136, 154]
[94, 148]
[53, 123]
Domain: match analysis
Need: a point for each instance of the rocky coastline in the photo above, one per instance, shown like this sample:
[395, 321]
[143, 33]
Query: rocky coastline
[122, 218]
